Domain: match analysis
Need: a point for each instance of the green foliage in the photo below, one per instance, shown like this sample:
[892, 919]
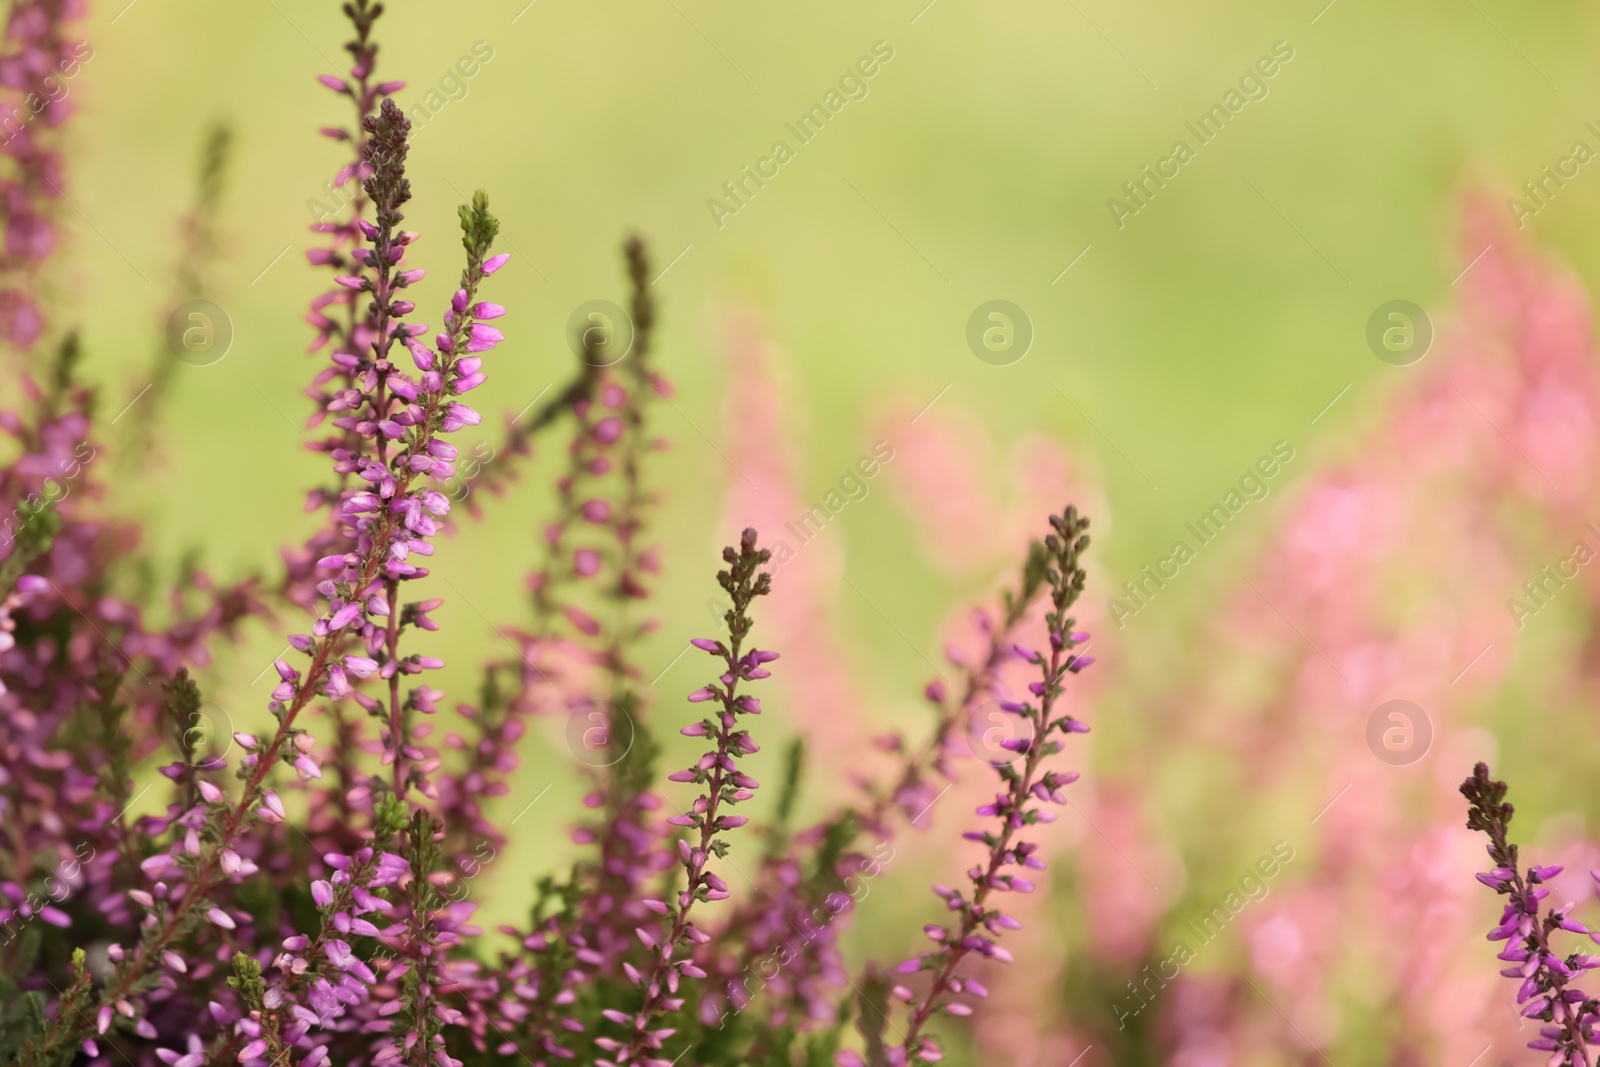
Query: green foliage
[837, 836]
[35, 527]
[247, 981]
[29, 1035]
[635, 772]
[181, 702]
[777, 832]
[1034, 572]
[63, 370]
[873, 1001]
[390, 815]
[478, 231]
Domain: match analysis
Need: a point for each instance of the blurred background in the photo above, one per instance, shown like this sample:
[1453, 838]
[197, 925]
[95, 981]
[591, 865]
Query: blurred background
[1161, 346]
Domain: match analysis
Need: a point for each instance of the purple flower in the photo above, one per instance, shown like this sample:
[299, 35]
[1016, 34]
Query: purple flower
[1023, 779]
[1545, 991]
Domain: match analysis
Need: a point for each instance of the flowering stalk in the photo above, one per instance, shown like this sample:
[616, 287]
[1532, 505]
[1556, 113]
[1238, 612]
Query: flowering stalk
[578, 658]
[67, 647]
[670, 954]
[498, 473]
[642, 380]
[264, 1018]
[625, 837]
[392, 523]
[601, 487]
[36, 54]
[1546, 993]
[341, 324]
[792, 886]
[74, 720]
[1025, 782]
[50, 1046]
[429, 931]
[198, 246]
[538, 989]
[911, 792]
[321, 976]
[388, 525]
[579, 392]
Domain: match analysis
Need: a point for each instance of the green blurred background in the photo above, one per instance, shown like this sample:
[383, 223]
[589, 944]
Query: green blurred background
[1222, 318]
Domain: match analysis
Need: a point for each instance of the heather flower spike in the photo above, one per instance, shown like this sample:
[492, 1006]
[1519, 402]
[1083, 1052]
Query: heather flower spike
[200, 243]
[37, 48]
[670, 949]
[1546, 993]
[387, 523]
[912, 792]
[1026, 785]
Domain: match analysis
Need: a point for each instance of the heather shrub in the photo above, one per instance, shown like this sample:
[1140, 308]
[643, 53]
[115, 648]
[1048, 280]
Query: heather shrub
[297, 895]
